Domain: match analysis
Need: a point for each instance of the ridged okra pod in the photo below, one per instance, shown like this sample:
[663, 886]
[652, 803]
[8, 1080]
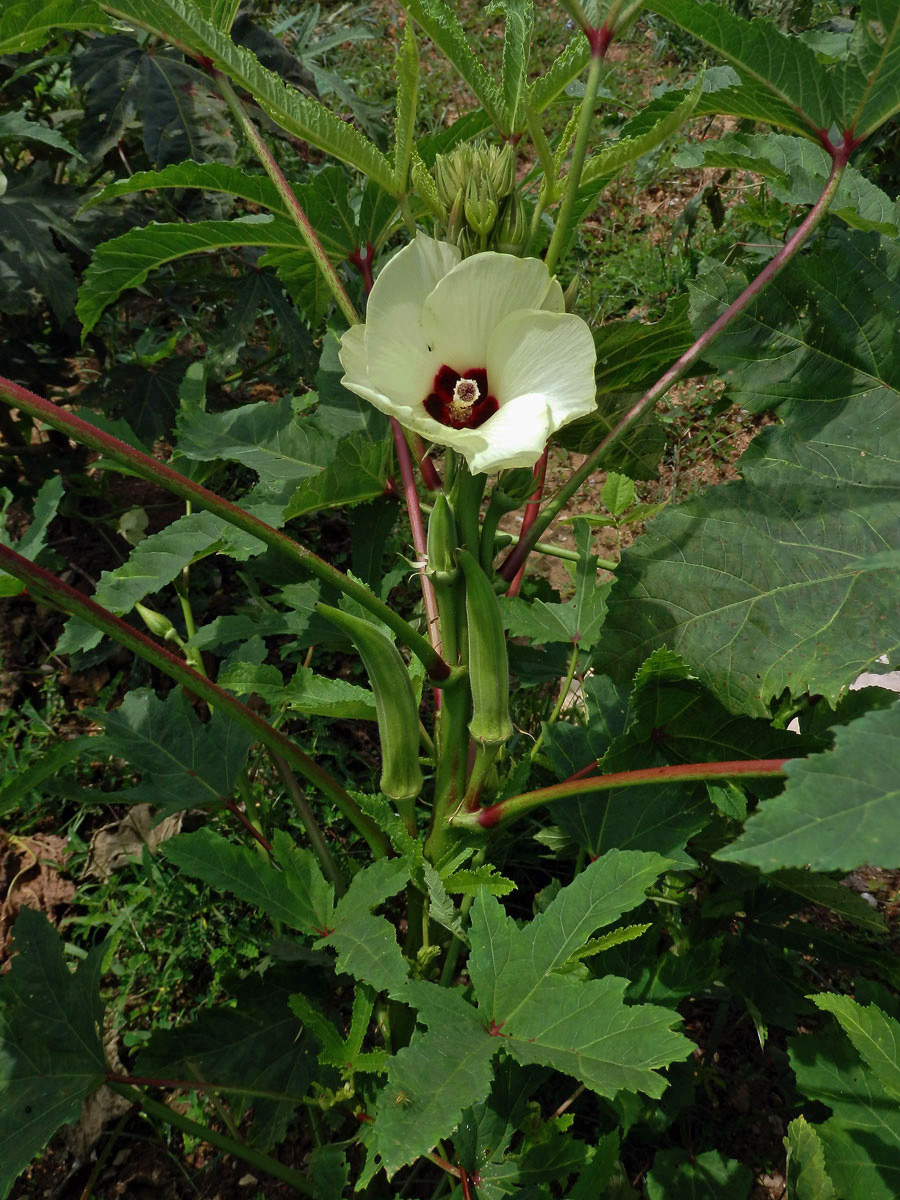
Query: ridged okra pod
[488, 663]
[395, 704]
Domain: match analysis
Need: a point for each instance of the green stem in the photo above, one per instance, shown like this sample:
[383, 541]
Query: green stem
[452, 735]
[47, 586]
[465, 498]
[560, 700]
[310, 824]
[256, 1159]
[145, 467]
[518, 806]
[579, 153]
[678, 370]
[294, 209]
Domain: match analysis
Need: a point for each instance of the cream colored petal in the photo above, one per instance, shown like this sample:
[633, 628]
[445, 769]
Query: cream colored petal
[514, 436]
[465, 306]
[555, 300]
[547, 354]
[400, 364]
[352, 355]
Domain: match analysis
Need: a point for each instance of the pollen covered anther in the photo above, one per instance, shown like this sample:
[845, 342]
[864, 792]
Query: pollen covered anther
[460, 401]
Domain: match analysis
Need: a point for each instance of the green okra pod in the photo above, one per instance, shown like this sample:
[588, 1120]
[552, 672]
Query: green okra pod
[488, 664]
[395, 704]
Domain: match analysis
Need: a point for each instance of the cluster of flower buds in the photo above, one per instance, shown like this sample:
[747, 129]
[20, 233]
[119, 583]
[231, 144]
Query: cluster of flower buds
[477, 186]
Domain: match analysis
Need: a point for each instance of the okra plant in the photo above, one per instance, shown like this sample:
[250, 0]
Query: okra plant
[426, 1019]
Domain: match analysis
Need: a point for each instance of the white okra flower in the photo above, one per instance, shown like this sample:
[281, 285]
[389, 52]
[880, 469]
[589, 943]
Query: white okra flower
[477, 354]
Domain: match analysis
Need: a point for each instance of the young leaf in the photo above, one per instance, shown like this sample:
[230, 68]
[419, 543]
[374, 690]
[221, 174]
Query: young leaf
[875, 1035]
[51, 1053]
[307, 692]
[26, 26]
[862, 1136]
[869, 89]
[406, 67]
[790, 86]
[617, 493]
[31, 543]
[661, 119]
[805, 1172]
[183, 762]
[516, 47]
[155, 562]
[565, 68]
[181, 24]
[367, 945]
[442, 26]
[578, 621]
[298, 896]
[796, 171]
[838, 810]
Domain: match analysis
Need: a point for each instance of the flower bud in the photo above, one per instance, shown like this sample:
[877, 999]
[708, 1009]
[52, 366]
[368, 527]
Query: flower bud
[481, 206]
[511, 234]
[501, 167]
[516, 484]
[157, 623]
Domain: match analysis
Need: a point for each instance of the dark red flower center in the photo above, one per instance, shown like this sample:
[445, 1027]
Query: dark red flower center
[461, 401]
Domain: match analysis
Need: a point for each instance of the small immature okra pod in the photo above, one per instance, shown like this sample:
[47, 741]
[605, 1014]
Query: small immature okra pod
[395, 703]
[441, 542]
[488, 664]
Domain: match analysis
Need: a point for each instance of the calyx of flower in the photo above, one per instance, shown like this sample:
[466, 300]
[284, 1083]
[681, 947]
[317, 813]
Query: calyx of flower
[476, 354]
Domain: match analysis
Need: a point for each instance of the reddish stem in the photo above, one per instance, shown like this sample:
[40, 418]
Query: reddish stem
[148, 468]
[519, 553]
[363, 259]
[430, 477]
[517, 806]
[46, 586]
[532, 508]
[232, 807]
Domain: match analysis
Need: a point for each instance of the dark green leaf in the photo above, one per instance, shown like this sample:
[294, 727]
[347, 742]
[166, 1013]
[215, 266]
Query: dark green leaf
[838, 810]
[359, 471]
[870, 88]
[796, 171]
[708, 1176]
[182, 24]
[791, 87]
[256, 1045]
[183, 763]
[763, 585]
[127, 260]
[51, 1050]
[875, 1035]
[297, 895]
[821, 331]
